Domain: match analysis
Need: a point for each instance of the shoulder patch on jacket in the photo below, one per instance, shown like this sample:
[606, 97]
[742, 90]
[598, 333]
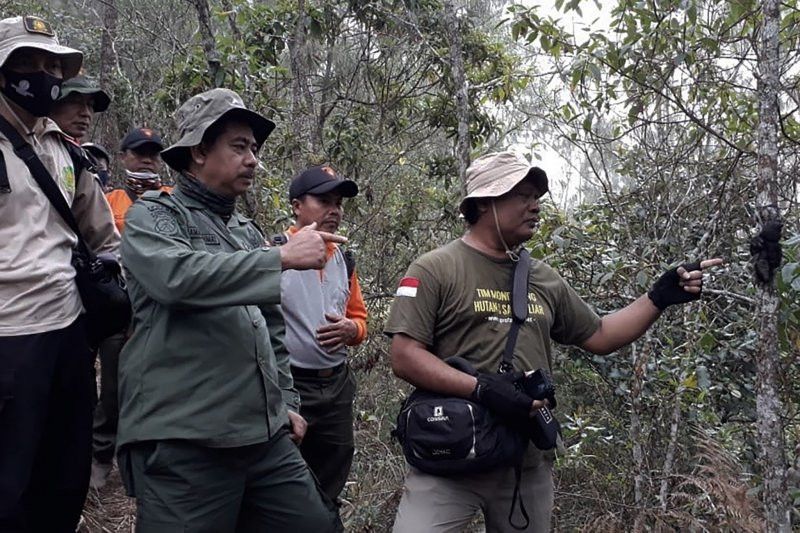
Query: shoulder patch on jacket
[166, 217]
[154, 194]
[80, 158]
[163, 218]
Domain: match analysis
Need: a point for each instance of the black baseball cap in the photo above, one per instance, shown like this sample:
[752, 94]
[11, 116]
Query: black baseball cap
[319, 180]
[138, 137]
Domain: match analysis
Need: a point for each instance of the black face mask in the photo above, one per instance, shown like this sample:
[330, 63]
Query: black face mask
[35, 92]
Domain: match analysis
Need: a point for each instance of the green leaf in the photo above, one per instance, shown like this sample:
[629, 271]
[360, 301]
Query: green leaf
[577, 74]
[707, 342]
[691, 13]
[595, 71]
[789, 272]
[633, 113]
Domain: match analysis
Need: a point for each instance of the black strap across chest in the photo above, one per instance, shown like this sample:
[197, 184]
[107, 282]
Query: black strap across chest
[42, 176]
[519, 307]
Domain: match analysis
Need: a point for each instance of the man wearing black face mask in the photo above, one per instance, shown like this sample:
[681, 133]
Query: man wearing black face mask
[46, 366]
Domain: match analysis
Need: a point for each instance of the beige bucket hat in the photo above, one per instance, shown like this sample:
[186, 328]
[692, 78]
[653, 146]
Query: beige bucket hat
[33, 32]
[199, 112]
[496, 173]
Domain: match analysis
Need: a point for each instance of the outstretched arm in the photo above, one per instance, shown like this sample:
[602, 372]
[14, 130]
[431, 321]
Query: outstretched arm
[622, 327]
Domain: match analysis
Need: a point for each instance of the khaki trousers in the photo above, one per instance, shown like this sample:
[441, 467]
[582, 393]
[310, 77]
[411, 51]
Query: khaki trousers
[435, 504]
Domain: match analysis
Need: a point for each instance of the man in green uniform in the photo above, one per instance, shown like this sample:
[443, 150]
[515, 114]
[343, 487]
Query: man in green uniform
[208, 411]
[454, 301]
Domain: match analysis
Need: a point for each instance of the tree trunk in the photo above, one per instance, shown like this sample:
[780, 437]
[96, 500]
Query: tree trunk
[640, 352]
[109, 134]
[209, 43]
[244, 71]
[460, 83]
[768, 402]
[249, 201]
[307, 139]
[672, 447]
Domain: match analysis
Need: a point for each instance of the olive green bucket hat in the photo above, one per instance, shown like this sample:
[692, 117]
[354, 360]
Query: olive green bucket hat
[495, 174]
[83, 85]
[199, 112]
[33, 32]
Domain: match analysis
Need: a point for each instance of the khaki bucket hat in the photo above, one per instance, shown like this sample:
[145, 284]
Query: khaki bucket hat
[199, 112]
[33, 32]
[496, 173]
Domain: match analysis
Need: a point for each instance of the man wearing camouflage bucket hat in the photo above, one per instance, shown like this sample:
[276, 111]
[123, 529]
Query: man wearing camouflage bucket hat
[46, 367]
[454, 301]
[206, 394]
[73, 111]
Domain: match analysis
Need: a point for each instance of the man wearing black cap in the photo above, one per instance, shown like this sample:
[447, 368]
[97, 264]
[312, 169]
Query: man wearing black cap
[208, 411]
[140, 156]
[324, 313]
[80, 99]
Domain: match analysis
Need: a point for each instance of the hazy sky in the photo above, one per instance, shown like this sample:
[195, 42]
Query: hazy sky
[563, 178]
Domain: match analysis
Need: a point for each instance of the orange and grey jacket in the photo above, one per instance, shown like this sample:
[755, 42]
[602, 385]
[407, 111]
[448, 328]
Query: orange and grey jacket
[306, 295]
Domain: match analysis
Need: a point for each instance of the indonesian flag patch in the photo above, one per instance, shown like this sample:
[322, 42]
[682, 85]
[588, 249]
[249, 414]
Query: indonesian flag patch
[408, 287]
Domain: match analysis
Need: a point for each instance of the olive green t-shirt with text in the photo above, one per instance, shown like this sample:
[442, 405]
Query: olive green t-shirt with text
[456, 300]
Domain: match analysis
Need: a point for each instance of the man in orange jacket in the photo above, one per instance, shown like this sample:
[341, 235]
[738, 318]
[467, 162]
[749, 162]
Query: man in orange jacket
[324, 314]
[141, 160]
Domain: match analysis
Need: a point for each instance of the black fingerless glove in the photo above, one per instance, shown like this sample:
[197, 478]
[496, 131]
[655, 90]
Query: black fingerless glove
[666, 291]
[499, 393]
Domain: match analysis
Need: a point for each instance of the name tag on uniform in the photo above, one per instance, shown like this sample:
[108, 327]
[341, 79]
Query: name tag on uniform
[208, 238]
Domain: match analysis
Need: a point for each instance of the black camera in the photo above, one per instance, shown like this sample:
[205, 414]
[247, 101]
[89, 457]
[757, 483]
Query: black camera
[539, 386]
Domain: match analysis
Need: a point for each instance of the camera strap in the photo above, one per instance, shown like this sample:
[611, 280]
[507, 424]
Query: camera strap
[519, 307]
[519, 314]
[42, 176]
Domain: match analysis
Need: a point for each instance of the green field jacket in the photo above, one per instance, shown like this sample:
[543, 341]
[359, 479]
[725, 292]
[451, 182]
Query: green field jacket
[206, 360]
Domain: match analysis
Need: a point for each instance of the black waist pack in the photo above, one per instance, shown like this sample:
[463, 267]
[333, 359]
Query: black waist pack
[447, 435]
[99, 280]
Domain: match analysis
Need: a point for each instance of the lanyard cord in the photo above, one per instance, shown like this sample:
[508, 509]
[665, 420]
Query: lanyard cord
[514, 257]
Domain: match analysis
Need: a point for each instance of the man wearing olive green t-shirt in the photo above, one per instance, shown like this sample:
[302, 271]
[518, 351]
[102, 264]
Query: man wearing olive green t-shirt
[454, 301]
